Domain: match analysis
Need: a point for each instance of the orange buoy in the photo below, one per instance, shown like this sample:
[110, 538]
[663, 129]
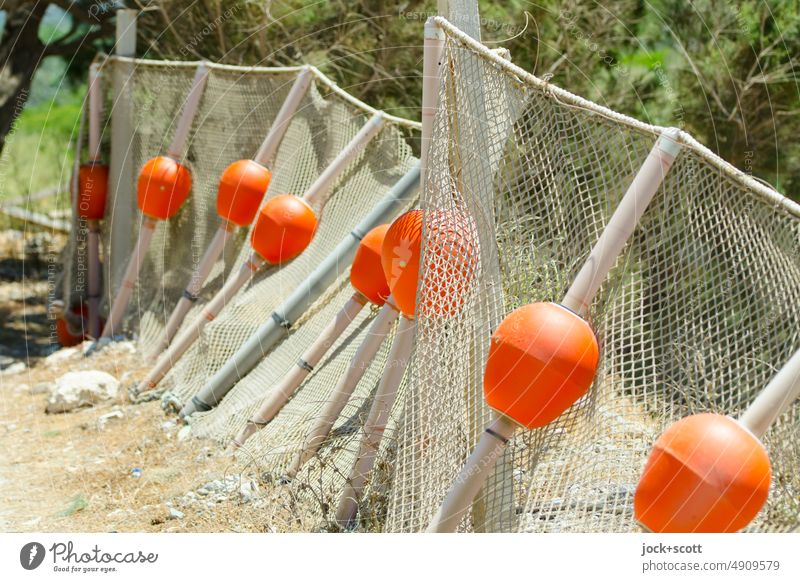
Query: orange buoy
[163, 187]
[451, 260]
[366, 274]
[285, 227]
[542, 359]
[241, 190]
[92, 191]
[66, 334]
[706, 473]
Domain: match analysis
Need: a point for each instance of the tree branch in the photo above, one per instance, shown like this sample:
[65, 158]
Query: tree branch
[69, 48]
[80, 13]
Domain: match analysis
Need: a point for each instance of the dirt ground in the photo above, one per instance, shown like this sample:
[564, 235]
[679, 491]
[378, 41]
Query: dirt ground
[70, 472]
[131, 472]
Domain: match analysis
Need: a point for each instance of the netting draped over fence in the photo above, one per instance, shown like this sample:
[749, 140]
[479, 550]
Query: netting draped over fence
[699, 313]
[236, 111]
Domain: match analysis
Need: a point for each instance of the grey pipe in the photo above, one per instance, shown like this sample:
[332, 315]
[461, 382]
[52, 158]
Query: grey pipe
[271, 332]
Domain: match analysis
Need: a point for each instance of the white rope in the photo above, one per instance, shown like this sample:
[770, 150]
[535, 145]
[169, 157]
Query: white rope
[321, 77]
[569, 99]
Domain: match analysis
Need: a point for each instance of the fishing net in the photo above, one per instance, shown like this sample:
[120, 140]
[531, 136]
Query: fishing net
[698, 314]
[236, 111]
[315, 490]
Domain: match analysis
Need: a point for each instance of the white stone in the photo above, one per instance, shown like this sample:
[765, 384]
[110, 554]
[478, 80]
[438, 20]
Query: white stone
[184, 432]
[61, 356]
[101, 422]
[15, 368]
[77, 389]
[122, 347]
[175, 514]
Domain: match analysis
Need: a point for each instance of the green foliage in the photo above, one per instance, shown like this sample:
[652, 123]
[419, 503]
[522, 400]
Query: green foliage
[37, 154]
[723, 71]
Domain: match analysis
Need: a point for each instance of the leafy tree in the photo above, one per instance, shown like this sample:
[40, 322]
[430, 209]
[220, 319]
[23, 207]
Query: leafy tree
[24, 45]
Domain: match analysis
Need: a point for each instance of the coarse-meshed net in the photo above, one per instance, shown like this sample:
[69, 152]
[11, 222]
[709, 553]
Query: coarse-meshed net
[236, 111]
[318, 485]
[698, 314]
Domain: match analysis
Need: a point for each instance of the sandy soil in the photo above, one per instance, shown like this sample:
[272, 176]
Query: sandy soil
[76, 472]
[71, 472]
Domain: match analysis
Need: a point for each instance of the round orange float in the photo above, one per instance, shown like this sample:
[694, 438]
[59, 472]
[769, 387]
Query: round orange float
[163, 187]
[542, 359]
[241, 190]
[93, 190]
[451, 259]
[284, 229]
[69, 335]
[366, 274]
[706, 473]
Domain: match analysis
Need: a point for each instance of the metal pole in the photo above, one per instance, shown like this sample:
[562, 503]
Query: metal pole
[184, 341]
[595, 269]
[264, 156]
[94, 275]
[177, 148]
[375, 424]
[114, 322]
[775, 399]
[280, 394]
[199, 276]
[361, 361]
[256, 347]
[266, 153]
[121, 179]
[95, 110]
[622, 223]
[188, 113]
[321, 187]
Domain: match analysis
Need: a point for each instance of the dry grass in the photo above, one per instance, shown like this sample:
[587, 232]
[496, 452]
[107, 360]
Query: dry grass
[65, 472]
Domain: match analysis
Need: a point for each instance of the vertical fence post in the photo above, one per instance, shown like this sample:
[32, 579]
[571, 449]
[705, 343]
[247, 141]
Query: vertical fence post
[464, 14]
[121, 171]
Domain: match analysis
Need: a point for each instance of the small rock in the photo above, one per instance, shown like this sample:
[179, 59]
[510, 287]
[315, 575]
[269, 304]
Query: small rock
[40, 388]
[175, 514]
[183, 434]
[248, 490]
[122, 347]
[22, 388]
[61, 356]
[119, 513]
[168, 425]
[15, 368]
[101, 422]
[78, 389]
